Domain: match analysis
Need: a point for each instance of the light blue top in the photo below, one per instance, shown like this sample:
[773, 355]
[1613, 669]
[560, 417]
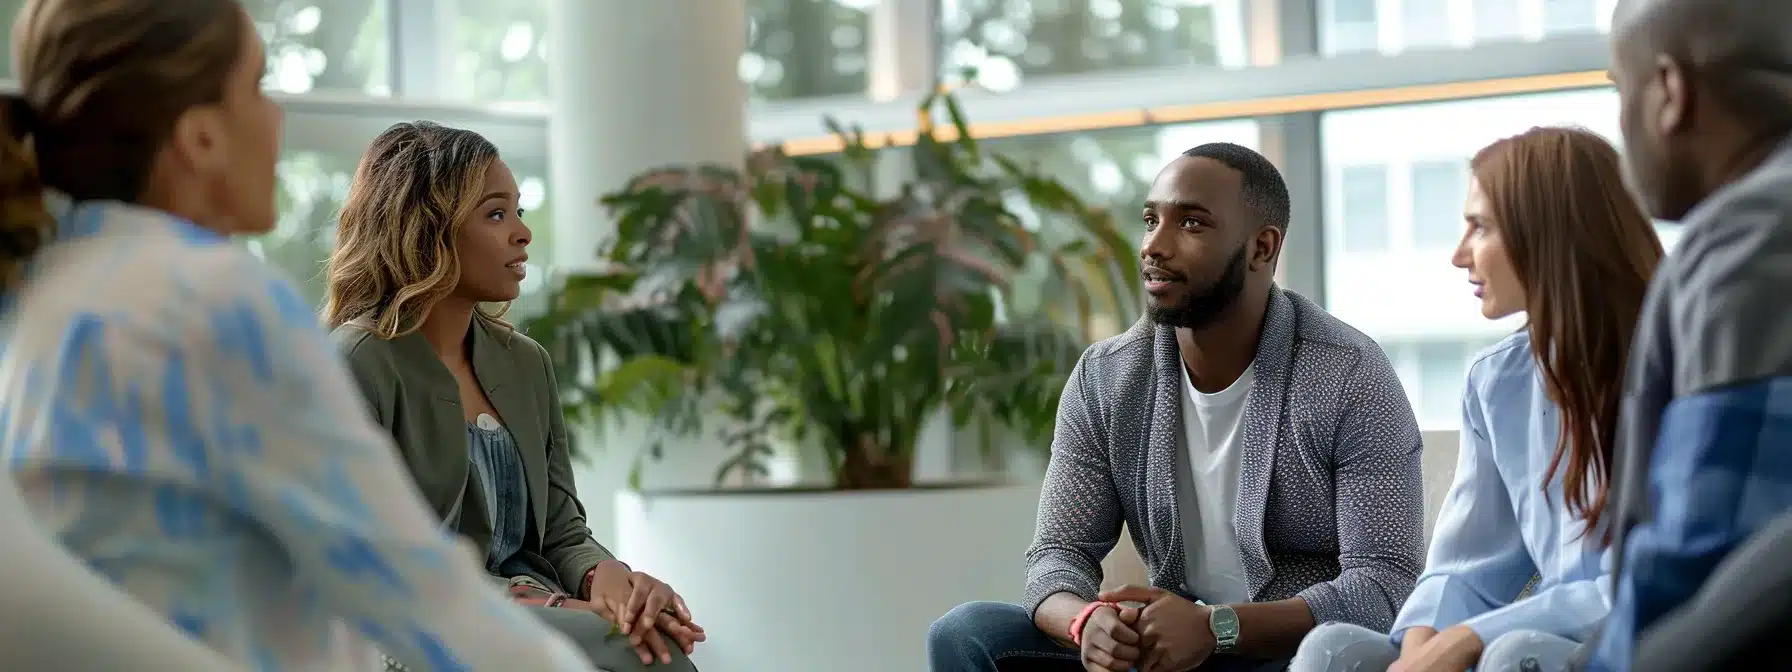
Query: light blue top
[1498, 527]
[174, 415]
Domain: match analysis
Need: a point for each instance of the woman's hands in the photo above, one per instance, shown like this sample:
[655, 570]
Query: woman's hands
[644, 608]
[1455, 649]
[1415, 639]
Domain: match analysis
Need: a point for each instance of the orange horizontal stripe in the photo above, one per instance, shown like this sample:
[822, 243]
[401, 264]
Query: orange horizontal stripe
[1260, 107]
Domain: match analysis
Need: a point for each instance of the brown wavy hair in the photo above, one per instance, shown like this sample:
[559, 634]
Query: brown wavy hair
[1584, 252]
[101, 85]
[395, 257]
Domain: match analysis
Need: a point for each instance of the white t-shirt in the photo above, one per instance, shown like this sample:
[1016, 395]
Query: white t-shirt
[1207, 488]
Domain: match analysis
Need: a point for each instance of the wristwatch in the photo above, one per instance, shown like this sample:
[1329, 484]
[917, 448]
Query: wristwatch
[1224, 622]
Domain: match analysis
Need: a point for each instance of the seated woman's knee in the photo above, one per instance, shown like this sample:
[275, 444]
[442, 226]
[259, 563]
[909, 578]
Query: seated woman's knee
[679, 664]
[1526, 651]
[1343, 646]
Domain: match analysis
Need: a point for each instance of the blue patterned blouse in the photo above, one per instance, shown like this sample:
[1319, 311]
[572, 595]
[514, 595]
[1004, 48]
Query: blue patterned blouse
[174, 415]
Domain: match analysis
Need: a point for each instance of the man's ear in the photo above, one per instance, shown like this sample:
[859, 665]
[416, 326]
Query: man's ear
[1266, 247]
[198, 141]
[1675, 111]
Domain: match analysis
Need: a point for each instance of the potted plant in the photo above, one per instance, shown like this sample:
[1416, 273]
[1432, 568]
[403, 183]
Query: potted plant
[790, 304]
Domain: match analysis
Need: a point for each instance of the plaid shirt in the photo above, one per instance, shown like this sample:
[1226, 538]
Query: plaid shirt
[1704, 452]
[1722, 469]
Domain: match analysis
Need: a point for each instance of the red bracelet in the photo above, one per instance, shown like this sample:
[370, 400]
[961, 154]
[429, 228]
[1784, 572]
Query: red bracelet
[1082, 618]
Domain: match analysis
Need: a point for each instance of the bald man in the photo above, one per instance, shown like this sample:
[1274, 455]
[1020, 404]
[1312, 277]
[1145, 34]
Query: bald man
[1704, 451]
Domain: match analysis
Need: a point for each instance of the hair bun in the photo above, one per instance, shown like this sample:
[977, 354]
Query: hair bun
[21, 117]
[20, 242]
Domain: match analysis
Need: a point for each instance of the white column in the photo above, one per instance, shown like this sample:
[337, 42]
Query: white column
[636, 85]
[904, 42]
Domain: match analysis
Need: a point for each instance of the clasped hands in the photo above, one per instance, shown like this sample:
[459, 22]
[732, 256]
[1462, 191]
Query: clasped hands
[643, 608]
[1455, 649]
[1168, 634]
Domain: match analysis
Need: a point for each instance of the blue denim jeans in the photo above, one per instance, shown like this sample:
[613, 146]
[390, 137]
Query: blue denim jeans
[999, 637]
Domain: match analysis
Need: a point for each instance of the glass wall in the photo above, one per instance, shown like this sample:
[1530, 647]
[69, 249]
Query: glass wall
[312, 45]
[1393, 26]
[325, 45]
[1008, 41]
[498, 50]
[802, 48]
[795, 48]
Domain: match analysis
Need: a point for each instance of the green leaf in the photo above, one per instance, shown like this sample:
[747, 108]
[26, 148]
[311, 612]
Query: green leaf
[798, 303]
[635, 474]
[963, 127]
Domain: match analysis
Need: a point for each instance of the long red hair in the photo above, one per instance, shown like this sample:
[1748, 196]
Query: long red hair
[1584, 251]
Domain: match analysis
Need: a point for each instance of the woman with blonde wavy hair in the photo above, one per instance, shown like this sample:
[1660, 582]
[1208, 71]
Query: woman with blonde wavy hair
[430, 239]
[169, 408]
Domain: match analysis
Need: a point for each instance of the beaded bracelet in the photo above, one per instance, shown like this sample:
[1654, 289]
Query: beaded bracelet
[1082, 619]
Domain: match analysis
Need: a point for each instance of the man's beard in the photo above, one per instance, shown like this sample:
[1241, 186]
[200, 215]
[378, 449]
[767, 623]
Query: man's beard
[1200, 309]
[1668, 189]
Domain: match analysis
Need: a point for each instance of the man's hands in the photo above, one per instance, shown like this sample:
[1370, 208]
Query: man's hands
[1455, 649]
[1173, 633]
[1110, 644]
[643, 608]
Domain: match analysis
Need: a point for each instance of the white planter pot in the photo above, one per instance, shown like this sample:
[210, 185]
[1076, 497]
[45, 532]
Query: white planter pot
[828, 580]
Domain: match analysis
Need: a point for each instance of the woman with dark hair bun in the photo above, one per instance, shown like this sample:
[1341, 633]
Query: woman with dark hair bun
[170, 409]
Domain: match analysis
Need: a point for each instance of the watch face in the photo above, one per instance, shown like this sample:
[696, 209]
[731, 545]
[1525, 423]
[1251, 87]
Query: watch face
[1225, 622]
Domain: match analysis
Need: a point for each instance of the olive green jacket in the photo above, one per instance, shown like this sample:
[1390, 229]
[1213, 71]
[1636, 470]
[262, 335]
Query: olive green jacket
[415, 397]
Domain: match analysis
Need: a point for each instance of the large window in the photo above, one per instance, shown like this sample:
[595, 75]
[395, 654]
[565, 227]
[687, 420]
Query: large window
[1391, 26]
[1007, 41]
[1498, 21]
[499, 50]
[1437, 194]
[1433, 371]
[800, 48]
[1395, 182]
[1425, 24]
[1363, 196]
[324, 45]
[795, 48]
[312, 186]
[312, 45]
[1571, 16]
